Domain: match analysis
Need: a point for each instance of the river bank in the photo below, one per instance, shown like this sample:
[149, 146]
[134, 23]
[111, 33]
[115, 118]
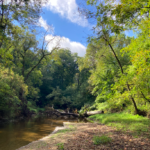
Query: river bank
[80, 136]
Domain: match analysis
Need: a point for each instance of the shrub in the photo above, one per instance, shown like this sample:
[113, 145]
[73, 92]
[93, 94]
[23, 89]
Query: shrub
[11, 86]
[101, 140]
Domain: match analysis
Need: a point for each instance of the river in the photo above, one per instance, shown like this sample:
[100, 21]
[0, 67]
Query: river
[18, 134]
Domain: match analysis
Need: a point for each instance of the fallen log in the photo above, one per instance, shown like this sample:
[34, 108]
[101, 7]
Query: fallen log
[62, 113]
[76, 115]
[87, 114]
[90, 113]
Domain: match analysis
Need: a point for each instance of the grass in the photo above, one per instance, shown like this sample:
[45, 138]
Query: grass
[101, 139]
[66, 130]
[60, 146]
[41, 144]
[124, 122]
[71, 128]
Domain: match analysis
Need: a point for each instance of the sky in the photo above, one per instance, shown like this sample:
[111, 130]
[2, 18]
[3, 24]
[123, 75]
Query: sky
[68, 27]
[67, 24]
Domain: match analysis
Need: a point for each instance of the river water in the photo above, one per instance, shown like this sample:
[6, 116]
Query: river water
[15, 135]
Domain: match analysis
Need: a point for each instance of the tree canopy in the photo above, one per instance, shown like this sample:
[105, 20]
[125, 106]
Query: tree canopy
[113, 75]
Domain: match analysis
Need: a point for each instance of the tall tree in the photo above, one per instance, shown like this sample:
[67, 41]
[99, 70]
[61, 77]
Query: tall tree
[112, 19]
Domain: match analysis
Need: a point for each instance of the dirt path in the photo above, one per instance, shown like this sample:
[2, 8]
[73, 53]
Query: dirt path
[78, 136]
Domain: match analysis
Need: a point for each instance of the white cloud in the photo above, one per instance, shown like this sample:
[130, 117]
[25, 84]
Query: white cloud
[67, 9]
[74, 47]
[43, 23]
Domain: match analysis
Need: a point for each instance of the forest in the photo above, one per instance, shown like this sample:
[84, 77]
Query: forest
[113, 76]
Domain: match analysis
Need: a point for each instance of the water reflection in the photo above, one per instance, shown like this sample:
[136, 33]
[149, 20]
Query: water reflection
[15, 135]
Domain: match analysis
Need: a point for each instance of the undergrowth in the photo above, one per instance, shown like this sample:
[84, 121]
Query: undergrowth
[60, 146]
[101, 139]
[125, 122]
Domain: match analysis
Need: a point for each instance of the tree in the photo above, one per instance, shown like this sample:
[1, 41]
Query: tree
[119, 15]
[113, 20]
[103, 66]
[24, 12]
[27, 54]
[59, 72]
[12, 89]
[138, 72]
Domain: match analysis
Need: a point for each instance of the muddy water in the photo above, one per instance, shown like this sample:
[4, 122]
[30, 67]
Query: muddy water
[15, 135]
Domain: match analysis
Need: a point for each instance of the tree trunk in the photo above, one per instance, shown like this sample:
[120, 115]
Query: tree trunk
[120, 65]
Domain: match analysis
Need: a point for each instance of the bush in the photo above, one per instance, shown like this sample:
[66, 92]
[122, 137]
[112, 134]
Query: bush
[101, 140]
[11, 86]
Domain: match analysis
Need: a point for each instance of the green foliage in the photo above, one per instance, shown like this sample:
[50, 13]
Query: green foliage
[136, 74]
[61, 84]
[84, 109]
[124, 121]
[105, 72]
[69, 87]
[97, 140]
[50, 77]
[59, 98]
[60, 146]
[119, 16]
[114, 72]
[119, 65]
[21, 12]
[18, 47]
[32, 107]
[11, 85]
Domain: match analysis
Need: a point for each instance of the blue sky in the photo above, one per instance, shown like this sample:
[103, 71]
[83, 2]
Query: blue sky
[70, 29]
[67, 24]
[64, 27]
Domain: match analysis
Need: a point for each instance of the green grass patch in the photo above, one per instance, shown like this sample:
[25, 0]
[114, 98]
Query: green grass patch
[60, 146]
[71, 126]
[66, 130]
[55, 135]
[122, 121]
[101, 140]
